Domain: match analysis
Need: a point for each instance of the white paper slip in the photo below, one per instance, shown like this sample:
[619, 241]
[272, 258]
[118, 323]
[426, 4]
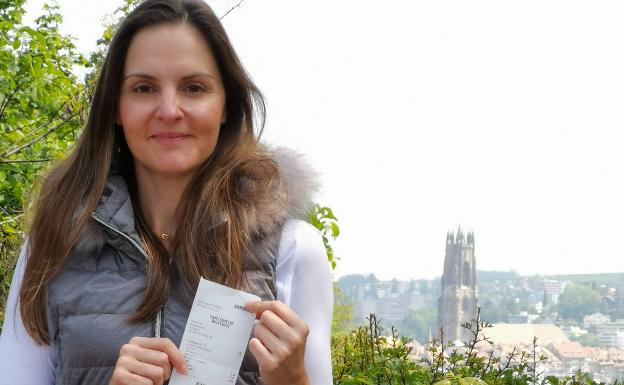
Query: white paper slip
[216, 335]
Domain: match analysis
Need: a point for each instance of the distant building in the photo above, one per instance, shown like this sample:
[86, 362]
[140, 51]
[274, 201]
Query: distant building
[522, 318]
[573, 331]
[573, 356]
[391, 310]
[458, 301]
[595, 320]
[391, 301]
[611, 334]
[539, 307]
[552, 289]
[519, 334]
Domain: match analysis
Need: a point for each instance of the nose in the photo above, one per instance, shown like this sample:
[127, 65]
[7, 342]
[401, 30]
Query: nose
[169, 106]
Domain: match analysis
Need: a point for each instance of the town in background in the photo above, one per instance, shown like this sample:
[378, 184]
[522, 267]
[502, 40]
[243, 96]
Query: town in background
[578, 320]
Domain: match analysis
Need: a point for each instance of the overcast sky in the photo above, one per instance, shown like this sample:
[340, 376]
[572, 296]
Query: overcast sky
[503, 117]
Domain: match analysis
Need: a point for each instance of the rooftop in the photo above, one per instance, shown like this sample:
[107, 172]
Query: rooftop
[517, 334]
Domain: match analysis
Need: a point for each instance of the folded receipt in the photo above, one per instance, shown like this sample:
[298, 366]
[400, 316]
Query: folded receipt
[216, 335]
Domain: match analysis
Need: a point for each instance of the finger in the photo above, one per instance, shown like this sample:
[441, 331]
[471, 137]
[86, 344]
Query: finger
[165, 345]
[122, 376]
[270, 341]
[261, 354]
[148, 356]
[154, 373]
[277, 326]
[154, 357]
[277, 307]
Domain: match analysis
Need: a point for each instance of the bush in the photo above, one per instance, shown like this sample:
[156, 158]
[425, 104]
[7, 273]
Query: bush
[366, 356]
[8, 256]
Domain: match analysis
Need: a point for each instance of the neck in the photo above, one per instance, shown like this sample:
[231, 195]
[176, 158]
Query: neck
[159, 197]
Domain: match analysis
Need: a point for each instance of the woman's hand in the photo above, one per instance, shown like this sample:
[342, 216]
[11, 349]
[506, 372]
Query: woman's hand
[279, 343]
[147, 361]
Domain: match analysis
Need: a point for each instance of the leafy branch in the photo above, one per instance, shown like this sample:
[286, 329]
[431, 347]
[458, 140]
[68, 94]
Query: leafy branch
[7, 99]
[40, 137]
[325, 221]
[24, 161]
[49, 119]
[475, 327]
[11, 219]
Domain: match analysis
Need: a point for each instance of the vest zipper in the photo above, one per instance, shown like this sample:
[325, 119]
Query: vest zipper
[101, 221]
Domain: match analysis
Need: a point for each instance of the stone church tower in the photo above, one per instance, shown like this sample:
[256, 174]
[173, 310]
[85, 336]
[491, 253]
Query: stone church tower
[459, 299]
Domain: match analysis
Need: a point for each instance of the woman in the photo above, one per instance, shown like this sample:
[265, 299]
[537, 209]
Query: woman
[167, 183]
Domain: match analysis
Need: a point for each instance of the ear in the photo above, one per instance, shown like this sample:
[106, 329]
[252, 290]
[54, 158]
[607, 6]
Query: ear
[224, 116]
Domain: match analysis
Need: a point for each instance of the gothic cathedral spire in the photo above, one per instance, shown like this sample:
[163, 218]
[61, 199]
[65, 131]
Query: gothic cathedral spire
[459, 300]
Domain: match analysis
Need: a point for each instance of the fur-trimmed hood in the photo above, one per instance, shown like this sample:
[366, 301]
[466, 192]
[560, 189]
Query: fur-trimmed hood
[291, 196]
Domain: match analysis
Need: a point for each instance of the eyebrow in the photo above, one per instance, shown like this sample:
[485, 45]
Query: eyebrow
[150, 77]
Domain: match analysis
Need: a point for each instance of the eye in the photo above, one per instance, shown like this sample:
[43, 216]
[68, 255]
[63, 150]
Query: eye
[142, 89]
[194, 88]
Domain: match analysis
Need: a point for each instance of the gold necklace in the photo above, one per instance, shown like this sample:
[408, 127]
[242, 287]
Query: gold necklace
[164, 236]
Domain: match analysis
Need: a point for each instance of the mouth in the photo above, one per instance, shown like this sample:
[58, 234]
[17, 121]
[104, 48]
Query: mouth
[169, 137]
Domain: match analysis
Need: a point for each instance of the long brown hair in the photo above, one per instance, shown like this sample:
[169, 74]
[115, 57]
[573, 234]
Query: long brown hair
[212, 246]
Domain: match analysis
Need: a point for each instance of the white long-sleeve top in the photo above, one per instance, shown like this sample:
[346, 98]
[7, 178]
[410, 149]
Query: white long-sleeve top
[303, 283]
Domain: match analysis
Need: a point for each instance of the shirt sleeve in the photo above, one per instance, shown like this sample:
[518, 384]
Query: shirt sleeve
[304, 283]
[22, 360]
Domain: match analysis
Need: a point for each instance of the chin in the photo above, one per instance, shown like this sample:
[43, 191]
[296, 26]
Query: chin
[171, 169]
[170, 166]
[178, 172]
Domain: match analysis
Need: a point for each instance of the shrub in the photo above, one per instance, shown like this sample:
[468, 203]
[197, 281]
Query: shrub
[367, 356]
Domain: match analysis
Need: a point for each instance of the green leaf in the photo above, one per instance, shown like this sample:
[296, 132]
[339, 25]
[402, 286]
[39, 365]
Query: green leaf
[329, 213]
[108, 34]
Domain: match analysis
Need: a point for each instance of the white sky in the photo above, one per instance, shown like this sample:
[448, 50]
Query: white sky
[504, 117]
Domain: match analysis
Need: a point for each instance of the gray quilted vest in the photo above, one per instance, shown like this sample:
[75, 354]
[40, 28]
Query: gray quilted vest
[103, 281]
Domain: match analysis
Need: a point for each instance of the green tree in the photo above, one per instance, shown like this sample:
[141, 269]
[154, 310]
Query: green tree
[41, 111]
[493, 312]
[419, 324]
[588, 339]
[618, 308]
[342, 320]
[578, 300]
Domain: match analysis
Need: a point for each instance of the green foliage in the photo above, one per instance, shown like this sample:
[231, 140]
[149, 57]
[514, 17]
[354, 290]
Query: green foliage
[325, 221]
[588, 339]
[486, 276]
[494, 312]
[367, 356]
[8, 256]
[579, 300]
[617, 310]
[609, 279]
[41, 112]
[461, 381]
[342, 320]
[419, 323]
[41, 105]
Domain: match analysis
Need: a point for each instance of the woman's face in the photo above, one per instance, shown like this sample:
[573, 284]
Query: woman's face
[172, 101]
